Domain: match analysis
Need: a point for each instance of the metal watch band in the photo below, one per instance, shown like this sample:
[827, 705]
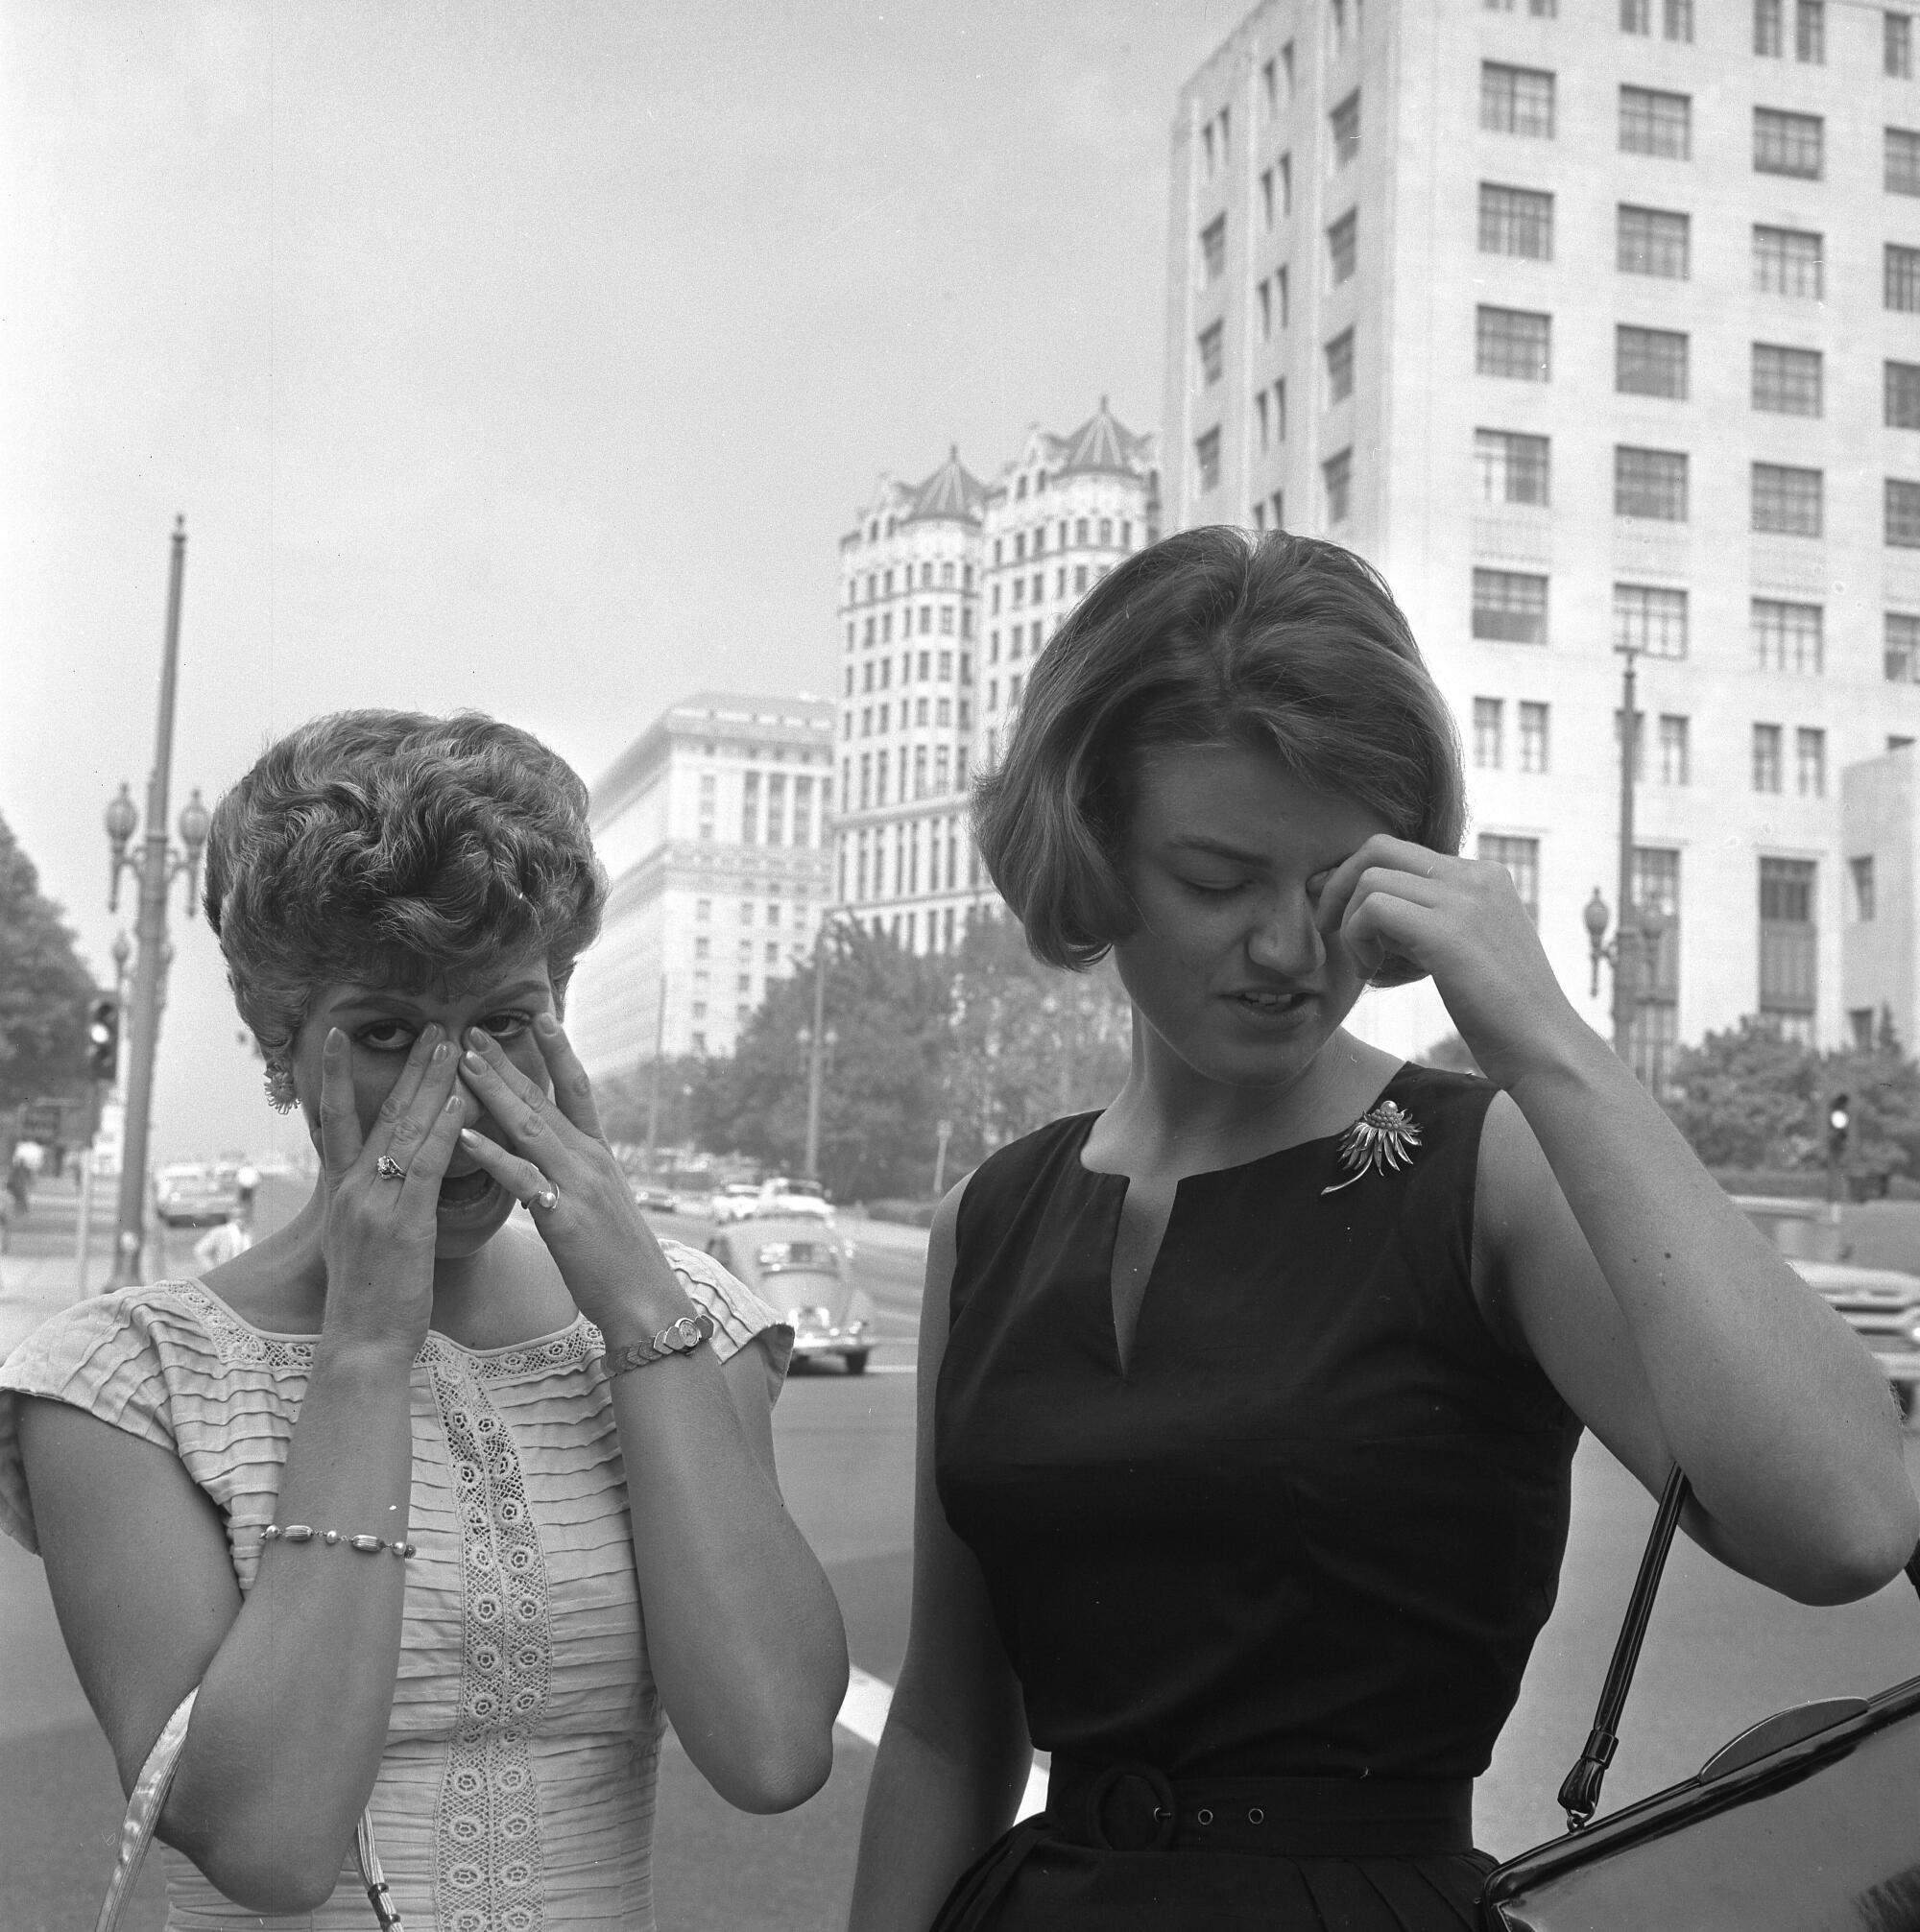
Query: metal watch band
[676, 1338]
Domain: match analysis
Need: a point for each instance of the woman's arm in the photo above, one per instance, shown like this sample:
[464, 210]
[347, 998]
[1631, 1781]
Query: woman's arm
[743, 1633]
[296, 1680]
[1671, 1327]
[953, 1757]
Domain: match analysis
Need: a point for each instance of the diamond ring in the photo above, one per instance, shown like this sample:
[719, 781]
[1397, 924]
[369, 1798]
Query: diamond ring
[389, 1169]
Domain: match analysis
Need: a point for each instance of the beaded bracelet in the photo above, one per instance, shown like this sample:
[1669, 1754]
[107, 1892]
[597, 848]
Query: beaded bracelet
[367, 1546]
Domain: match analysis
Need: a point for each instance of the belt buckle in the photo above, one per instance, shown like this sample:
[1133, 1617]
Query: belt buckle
[1145, 1820]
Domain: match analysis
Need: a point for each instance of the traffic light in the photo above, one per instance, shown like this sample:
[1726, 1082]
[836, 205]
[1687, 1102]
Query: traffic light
[103, 1037]
[1839, 1123]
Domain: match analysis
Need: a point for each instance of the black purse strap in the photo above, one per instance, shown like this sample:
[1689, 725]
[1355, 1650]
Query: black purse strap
[1580, 1791]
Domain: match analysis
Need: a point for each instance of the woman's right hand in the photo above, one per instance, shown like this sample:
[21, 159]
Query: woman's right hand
[379, 1237]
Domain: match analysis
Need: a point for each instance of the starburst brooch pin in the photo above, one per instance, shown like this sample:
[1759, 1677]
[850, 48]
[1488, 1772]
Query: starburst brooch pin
[1384, 1137]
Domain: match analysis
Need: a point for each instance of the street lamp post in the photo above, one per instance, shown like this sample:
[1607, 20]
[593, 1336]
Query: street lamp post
[155, 867]
[818, 1043]
[1637, 929]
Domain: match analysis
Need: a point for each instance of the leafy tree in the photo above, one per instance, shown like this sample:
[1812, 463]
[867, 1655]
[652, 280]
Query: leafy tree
[888, 1011]
[626, 1101]
[1029, 1043]
[1882, 1084]
[1748, 1097]
[43, 988]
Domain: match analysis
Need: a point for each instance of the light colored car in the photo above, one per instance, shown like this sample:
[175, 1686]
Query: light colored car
[657, 1199]
[190, 1194]
[791, 1206]
[733, 1199]
[802, 1268]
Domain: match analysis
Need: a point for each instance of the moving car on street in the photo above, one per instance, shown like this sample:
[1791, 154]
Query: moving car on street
[191, 1194]
[802, 1267]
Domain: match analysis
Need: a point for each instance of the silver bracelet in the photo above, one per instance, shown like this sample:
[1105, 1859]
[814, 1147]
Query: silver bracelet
[305, 1532]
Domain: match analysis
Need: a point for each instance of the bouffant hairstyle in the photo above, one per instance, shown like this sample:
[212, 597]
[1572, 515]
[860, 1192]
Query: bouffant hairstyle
[394, 849]
[1211, 638]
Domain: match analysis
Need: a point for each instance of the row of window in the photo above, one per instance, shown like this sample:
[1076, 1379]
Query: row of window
[942, 841]
[878, 720]
[1021, 589]
[934, 771]
[876, 672]
[703, 912]
[1086, 531]
[1020, 639]
[880, 630]
[1809, 34]
[880, 583]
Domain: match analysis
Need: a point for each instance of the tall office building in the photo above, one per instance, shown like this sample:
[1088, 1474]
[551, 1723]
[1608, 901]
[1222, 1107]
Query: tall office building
[1592, 326]
[948, 591]
[714, 829]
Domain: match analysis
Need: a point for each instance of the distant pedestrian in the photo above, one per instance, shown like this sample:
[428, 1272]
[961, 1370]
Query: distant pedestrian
[1249, 1402]
[233, 1236]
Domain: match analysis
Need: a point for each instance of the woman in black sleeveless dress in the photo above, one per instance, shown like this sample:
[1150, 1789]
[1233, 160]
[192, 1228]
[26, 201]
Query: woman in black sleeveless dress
[1247, 1404]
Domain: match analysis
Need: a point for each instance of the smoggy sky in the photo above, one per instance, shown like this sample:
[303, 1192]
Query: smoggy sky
[527, 356]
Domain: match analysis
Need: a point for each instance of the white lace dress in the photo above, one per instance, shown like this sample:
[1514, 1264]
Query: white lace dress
[516, 1791]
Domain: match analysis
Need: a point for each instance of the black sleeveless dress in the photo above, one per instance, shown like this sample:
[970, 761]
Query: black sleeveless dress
[1309, 1534]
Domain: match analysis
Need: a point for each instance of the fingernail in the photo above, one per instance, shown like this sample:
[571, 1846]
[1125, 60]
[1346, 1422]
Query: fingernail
[545, 1024]
[469, 1138]
[440, 1052]
[454, 1103]
[472, 1062]
[335, 1039]
[476, 1037]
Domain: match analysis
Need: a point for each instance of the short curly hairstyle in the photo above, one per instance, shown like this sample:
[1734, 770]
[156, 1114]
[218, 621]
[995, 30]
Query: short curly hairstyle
[1212, 636]
[394, 849]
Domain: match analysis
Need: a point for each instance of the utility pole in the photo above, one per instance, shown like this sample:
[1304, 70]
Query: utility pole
[156, 868]
[654, 1090]
[1628, 940]
[816, 1054]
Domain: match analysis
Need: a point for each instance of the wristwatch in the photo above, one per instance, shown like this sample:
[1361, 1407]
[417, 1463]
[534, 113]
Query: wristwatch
[676, 1338]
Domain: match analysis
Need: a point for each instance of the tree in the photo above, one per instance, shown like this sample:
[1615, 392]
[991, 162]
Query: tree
[888, 1009]
[626, 1101]
[43, 988]
[1882, 1084]
[1749, 1098]
[1028, 1043]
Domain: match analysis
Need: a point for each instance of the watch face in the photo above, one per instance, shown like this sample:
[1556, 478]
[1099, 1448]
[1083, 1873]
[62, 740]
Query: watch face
[687, 1332]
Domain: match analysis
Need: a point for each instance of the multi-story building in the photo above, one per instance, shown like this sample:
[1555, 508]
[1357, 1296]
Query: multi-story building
[948, 590]
[1593, 327]
[714, 827]
[1063, 512]
[909, 604]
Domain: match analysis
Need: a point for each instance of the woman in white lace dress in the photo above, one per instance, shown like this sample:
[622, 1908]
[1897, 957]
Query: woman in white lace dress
[545, 1449]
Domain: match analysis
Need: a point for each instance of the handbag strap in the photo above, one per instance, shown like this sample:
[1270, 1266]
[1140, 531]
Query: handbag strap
[1580, 1790]
[149, 1798]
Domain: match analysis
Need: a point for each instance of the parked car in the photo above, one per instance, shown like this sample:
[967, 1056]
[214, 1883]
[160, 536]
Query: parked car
[659, 1200]
[190, 1194]
[1881, 1306]
[802, 1268]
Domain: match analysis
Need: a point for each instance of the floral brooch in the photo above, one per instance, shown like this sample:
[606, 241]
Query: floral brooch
[1384, 1137]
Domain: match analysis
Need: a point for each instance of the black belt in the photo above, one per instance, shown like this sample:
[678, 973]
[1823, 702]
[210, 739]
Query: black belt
[1134, 1807]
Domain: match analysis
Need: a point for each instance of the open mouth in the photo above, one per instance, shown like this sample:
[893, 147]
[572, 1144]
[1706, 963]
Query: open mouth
[458, 1191]
[1270, 1005]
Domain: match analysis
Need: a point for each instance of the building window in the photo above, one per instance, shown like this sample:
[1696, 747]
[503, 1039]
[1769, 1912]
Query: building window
[1787, 501]
[1636, 17]
[1809, 32]
[1789, 945]
[1788, 262]
[1338, 473]
[1767, 757]
[1488, 714]
[750, 809]
[1206, 460]
[1901, 640]
[1509, 607]
[1516, 100]
[1786, 380]
[1214, 247]
[1345, 124]
[1789, 638]
[1533, 738]
[1339, 373]
[1650, 483]
[1862, 872]
[1767, 39]
[1656, 898]
[1513, 343]
[1903, 396]
[1511, 469]
[1211, 346]
[1260, 411]
[1651, 242]
[1655, 123]
[1787, 144]
[1342, 246]
[1280, 410]
[1650, 620]
[1516, 222]
[1896, 46]
[1810, 762]
[1651, 362]
[1903, 277]
[1522, 859]
[1903, 513]
[1902, 161]
[1674, 762]
[1676, 20]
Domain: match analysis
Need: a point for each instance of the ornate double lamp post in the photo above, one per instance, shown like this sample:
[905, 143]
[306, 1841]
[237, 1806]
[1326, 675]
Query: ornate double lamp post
[154, 866]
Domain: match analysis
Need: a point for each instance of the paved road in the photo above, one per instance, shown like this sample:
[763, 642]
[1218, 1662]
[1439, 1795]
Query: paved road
[1722, 1653]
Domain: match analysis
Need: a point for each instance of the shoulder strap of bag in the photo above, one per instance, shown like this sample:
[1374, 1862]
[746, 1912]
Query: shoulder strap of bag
[1580, 1792]
[149, 1798]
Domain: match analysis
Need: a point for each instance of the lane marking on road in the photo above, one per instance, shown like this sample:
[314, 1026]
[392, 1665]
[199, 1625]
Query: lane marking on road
[863, 1711]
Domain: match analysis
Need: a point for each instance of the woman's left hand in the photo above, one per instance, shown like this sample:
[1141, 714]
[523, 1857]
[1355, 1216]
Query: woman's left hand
[592, 1229]
[1396, 906]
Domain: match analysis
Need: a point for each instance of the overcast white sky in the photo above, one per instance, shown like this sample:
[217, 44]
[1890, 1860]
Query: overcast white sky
[531, 357]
